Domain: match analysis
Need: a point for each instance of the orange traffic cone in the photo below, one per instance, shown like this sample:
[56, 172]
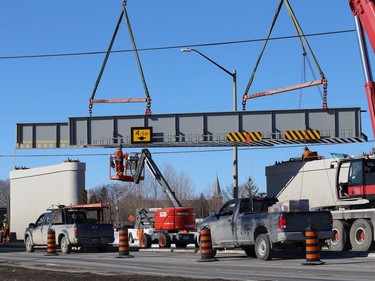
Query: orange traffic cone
[51, 243]
[205, 244]
[312, 247]
[123, 244]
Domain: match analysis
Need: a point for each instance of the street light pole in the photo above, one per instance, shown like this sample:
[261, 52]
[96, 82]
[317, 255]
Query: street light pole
[235, 151]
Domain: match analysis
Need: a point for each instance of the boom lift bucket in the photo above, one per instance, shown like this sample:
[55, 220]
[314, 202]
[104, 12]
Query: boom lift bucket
[128, 168]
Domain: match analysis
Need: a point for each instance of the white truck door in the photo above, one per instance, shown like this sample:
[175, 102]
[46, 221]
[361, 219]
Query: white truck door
[45, 227]
[37, 232]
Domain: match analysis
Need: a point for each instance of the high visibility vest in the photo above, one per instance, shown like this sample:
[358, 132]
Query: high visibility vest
[5, 224]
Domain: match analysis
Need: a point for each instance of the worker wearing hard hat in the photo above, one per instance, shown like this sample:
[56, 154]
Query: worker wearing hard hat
[119, 158]
[306, 153]
[309, 155]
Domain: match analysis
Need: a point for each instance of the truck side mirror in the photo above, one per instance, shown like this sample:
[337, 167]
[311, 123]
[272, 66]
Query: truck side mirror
[213, 214]
[32, 225]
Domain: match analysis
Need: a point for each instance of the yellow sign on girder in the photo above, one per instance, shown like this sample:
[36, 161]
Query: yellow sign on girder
[141, 134]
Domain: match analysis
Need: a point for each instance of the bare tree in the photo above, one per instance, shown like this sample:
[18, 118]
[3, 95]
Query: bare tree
[4, 193]
[201, 206]
[181, 184]
[126, 197]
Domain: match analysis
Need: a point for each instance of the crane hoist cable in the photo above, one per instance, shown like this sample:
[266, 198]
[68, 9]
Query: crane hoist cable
[301, 38]
[322, 81]
[123, 100]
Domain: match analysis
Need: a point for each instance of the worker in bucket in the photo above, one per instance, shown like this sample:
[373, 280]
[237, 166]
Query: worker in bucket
[309, 155]
[119, 158]
[306, 153]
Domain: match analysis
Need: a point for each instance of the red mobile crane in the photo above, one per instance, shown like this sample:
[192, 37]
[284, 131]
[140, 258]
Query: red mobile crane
[171, 225]
[344, 185]
[364, 15]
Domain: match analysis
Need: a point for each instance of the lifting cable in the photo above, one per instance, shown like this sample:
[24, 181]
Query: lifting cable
[301, 36]
[298, 86]
[148, 98]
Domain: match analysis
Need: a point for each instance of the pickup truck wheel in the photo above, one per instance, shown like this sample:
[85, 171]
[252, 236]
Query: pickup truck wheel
[29, 244]
[64, 246]
[361, 235]
[263, 249]
[340, 237]
[146, 241]
[164, 241]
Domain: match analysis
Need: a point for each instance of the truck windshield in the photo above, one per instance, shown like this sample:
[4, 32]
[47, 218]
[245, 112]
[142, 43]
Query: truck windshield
[369, 172]
[355, 173]
[227, 209]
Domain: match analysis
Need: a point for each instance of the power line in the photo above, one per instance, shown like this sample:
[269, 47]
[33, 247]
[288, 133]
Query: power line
[176, 46]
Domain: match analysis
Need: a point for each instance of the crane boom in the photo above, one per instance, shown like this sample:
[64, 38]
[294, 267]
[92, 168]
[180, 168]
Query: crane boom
[146, 158]
[365, 11]
[364, 15]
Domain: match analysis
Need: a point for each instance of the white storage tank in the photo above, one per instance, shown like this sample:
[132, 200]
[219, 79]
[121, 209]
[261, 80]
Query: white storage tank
[32, 191]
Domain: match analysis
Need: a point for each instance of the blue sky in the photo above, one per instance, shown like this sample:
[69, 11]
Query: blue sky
[51, 89]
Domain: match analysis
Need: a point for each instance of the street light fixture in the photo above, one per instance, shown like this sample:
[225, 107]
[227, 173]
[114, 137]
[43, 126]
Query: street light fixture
[235, 151]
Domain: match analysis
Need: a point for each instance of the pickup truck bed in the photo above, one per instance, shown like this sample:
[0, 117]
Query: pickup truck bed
[246, 225]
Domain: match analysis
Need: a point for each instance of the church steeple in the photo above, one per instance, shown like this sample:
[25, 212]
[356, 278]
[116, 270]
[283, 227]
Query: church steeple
[217, 190]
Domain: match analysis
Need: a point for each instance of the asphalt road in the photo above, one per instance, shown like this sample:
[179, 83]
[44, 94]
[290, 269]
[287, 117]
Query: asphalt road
[162, 264]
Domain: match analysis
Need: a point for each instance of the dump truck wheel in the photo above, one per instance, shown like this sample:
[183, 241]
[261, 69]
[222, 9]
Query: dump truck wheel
[361, 235]
[340, 237]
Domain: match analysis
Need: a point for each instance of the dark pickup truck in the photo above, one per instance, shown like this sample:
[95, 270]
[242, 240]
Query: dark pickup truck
[247, 224]
[79, 226]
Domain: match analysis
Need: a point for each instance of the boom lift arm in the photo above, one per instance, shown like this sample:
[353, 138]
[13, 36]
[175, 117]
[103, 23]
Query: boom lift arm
[146, 158]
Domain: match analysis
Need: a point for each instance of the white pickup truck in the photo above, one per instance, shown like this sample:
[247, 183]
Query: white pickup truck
[80, 226]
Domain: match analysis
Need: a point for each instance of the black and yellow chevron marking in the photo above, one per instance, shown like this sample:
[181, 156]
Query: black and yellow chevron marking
[244, 136]
[302, 134]
[84, 196]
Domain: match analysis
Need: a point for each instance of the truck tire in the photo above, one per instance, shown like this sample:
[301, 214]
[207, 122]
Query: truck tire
[164, 241]
[146, 241]
[29, 244]
[263, 249]
[361, 235]
[340, 237]
[65, 246]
